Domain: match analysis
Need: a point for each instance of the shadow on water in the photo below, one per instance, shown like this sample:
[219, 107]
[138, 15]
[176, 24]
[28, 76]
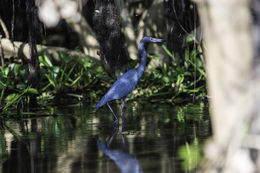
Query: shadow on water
[158, 138]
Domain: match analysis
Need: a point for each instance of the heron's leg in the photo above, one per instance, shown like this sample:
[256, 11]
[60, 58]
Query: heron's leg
[124, 143]
[122, 114]
[112, 138]
[116, 121]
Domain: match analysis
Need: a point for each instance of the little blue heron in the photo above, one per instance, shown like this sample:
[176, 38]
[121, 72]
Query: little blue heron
[128, 81]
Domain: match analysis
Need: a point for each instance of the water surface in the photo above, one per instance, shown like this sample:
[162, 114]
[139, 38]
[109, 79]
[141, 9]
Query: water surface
[78, 139]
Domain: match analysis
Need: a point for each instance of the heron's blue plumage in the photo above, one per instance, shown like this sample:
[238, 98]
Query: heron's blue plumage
[124, 85]
[128, 81]
[125, 162]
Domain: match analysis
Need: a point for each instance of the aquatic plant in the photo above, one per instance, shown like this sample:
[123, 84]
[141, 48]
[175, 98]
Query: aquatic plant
[81, 79]
[176, 81]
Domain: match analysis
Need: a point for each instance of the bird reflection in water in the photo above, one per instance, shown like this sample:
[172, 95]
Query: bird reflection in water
[124, 161]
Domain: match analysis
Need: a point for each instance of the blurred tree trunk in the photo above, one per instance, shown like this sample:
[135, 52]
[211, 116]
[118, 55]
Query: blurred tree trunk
[106, 24]
[228, 60]
[229, 57]
[152, 23]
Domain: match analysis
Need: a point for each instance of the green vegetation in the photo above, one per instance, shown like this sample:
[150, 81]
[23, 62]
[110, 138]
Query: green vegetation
[191, 155]
[80, 79]
[175, 82]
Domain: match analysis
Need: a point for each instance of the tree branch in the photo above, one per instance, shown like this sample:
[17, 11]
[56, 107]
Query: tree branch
[50, 13]
[86, 35]
[4, 28]
[22, 50]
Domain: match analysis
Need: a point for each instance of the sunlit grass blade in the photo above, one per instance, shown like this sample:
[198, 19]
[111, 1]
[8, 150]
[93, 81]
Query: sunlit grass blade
[50, 80]
[72, 68]
[62, 72]
[15, 98]
[2, 85]
[75, 81]
[11, 100]
[154, 57]
[197, 68]
[47, 60]
[168, 52]
[2, 96]
[45, 88]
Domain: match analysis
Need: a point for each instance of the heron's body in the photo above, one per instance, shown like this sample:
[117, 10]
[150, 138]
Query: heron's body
[128, 81]
[122, 87]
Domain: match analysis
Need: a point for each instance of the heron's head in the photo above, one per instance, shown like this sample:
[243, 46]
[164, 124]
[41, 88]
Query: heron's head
[147, 39]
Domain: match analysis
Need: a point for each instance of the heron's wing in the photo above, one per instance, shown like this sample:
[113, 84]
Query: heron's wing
[122, 87]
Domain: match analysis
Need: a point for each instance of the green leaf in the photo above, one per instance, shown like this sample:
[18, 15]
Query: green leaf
[194, 53]
[168, 52]
[154, 57]
[62, 72]
[191, 154]
[180, 79]
[165, 67]
[32, 91]
[6, 71]
[40, 59]
[56, 70]
[44, 88]
[50, 80]
[64, 58]
[72, 68]
[75, 81]
[2, 95]
[167, 120]
[197, 68]
[47, 60]
[11, 97]
[187, 53]
[21, 86]
[190, 38]
[2, 85]
[166, 79]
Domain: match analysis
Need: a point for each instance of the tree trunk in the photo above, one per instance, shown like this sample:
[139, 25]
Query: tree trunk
[229, 57]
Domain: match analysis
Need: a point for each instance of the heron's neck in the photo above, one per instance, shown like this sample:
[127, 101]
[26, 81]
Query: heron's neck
[142, 65]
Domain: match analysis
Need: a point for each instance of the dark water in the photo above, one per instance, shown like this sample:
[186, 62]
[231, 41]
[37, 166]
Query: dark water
[157, 138]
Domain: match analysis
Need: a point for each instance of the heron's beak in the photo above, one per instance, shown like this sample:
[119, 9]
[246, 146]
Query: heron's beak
[157, 40]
